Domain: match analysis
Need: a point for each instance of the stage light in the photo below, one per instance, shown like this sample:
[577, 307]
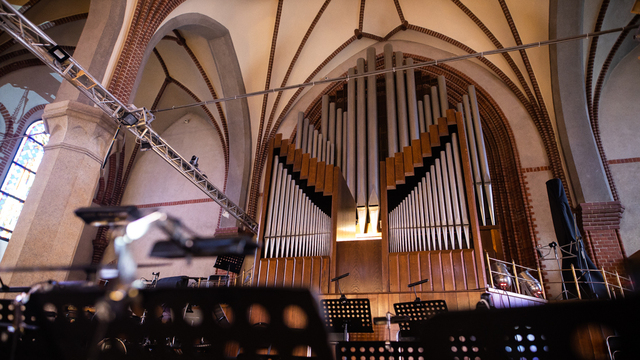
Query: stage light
[58, 53]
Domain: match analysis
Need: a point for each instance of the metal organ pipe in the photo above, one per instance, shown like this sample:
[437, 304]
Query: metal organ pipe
[351, 133]
[324, 119]
[373, 166]
[473, 154]
[421, 116]
[331, 136]
[428, 117]
[442, 92]
[344, 145]
[435, 105]
[304, 134]
[299, 130]
[361, 140]
[414, 126]
[338, 142]
[401, 101]
[482, 153]
[392, 127]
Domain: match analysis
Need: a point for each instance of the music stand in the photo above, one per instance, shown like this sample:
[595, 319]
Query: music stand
[346, 315]
[72, 337]
[231, 263]
[418, 311]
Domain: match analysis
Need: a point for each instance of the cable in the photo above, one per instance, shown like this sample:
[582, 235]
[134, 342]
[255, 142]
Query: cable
[404, 67]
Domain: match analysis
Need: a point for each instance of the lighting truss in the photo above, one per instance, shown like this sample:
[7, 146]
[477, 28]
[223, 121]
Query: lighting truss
[136, 120]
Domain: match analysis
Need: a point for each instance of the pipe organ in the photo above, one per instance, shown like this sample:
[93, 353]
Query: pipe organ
[386, 159]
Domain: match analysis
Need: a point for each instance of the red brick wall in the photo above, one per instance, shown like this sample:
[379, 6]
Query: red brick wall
[600, 226]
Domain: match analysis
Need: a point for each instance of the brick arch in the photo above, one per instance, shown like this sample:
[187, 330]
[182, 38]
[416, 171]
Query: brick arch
[511, 203]
[9, 147]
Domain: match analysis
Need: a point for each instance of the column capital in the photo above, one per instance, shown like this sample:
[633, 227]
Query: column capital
[78, 127]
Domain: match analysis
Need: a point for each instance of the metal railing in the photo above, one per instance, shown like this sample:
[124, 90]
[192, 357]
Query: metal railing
[501, 275]
[615, 284]
[509, 276]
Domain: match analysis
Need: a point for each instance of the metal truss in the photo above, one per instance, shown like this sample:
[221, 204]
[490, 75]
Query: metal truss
[135, 119]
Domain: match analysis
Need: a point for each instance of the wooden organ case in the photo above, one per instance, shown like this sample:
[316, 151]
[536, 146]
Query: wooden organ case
[335, 203]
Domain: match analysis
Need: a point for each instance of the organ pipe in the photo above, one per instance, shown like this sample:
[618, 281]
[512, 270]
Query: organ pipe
[401, 101]
[373, 196]
[361, 141]
[392, 127]
[414, 127]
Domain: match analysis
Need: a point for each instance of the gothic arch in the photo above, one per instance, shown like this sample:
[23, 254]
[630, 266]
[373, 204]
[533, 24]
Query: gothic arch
[239, 142]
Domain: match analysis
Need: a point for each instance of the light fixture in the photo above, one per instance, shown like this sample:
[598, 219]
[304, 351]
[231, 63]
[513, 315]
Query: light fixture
[58, 53]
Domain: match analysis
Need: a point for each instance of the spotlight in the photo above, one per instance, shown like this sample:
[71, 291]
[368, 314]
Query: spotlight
[144, 146]
[58, 53]
[128, 118]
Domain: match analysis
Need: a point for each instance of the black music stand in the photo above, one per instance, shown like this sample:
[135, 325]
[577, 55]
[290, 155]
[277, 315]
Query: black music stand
[418, 311]
[346, 315]
[71, 335]
[381, 350]
[231, 263]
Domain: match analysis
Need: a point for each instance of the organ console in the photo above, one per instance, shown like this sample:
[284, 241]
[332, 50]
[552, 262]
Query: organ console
[418, 183]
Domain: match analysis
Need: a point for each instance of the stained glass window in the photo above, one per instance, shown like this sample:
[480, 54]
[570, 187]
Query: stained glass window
[20, 176]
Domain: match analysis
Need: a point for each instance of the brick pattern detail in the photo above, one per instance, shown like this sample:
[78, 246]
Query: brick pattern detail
[536, 169]
[600, 223]
[624, 161]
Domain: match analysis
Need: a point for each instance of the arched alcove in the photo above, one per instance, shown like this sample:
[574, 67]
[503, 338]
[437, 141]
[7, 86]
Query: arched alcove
[238, 143]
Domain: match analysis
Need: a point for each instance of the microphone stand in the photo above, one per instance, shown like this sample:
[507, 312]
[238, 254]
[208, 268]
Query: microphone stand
[343, 299]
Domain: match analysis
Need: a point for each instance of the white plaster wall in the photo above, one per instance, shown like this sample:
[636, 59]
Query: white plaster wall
[619, 131]
[153, 181]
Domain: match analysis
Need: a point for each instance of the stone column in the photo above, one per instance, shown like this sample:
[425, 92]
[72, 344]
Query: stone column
[48, 232]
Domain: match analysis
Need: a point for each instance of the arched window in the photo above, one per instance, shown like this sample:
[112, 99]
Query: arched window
[19, 178]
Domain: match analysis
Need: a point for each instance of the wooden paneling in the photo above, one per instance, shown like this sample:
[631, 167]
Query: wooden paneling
[403, 271]
[414, 269]
[297, 160]
[434, 135]
[436, 271]
[443, 128]
[306, 271]
[313, 169]
[328, 180]
[470, 268]
[297, 272]
[451, 116]
[304, 169]
[284, 148]
[291, 154]
[447, 270]
[408, 161]
[288, 272]
[425, 144]
[458, 270]
[416, 153]
[320, 176]
[399, 168]
[311, 272]
[390, 173]
[425, 271]
[362, 259]
[394, 278]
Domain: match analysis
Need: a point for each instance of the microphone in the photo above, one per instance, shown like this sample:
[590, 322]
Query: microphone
[340, 277]
[417, 283]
